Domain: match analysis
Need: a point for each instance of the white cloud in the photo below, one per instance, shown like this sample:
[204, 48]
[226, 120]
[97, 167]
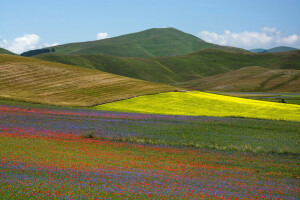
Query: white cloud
[101, 36]
[51, 45]
[270, 30]
[267, 38]
[24, 43]
[290, 39]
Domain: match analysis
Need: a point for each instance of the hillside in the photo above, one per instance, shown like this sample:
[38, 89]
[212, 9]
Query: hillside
[257, 50]
[274, 50]
[205, 104]
[33, 80]
[149, 43]
[249, 79]
[4, 51]
[174, 70]
[280, 49]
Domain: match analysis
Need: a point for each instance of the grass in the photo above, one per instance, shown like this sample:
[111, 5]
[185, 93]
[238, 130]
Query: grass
[206, 104]
[33, 80]
[180, 69]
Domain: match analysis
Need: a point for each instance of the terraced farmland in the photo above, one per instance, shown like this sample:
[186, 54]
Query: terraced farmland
[27, 79]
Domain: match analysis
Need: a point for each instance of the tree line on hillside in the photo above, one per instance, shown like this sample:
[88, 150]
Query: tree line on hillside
[37, 52]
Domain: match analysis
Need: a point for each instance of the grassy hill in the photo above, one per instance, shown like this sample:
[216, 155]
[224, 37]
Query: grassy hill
[4, 51]
[280, 49]
[274, 50]
[205, 104]
[33, 80]
[148, 43]
[249, 79]
[174, 70]
[258, 50]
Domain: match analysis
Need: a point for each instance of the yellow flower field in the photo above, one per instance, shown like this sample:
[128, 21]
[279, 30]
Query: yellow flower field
[205, 104]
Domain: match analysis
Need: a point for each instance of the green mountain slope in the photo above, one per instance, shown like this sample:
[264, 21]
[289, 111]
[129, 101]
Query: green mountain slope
[280, 49]
[173, 70]
[149, 43]
[33, 80]
[274, 50]
[258, 50]
[249, 79]
[4, 51]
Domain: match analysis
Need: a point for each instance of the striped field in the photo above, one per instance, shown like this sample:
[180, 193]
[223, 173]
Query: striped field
[32, 80]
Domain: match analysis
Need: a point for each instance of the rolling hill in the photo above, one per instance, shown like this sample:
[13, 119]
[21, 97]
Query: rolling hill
[280, 49]
[249, 79]
[4, 51]
[149, 43]
[33, 80]
[257, 50]
[274, 50]
[174, 70]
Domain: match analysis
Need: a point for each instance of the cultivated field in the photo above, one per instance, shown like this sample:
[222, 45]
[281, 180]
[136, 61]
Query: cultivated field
[291, 98]
[205, 104]
[62, 153]
[32, 80]
[249, 79]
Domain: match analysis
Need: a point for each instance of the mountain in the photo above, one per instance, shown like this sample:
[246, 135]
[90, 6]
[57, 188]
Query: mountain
[4, 51]
[274, 50]
[249, 79]
[33, 80]
[149, 43]
[258, 50]
[173, 70]
[280, 49]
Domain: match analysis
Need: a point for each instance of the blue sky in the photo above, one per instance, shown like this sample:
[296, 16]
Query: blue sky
[248, 24]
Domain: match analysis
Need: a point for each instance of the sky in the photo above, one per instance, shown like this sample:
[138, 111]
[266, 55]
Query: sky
[248, 24]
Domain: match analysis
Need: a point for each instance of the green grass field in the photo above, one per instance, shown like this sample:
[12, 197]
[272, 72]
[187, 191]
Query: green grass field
[33, 80]
[206, 104]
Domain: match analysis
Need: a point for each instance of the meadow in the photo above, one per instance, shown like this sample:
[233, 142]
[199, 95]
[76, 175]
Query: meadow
[205, 104]
[45, 154]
